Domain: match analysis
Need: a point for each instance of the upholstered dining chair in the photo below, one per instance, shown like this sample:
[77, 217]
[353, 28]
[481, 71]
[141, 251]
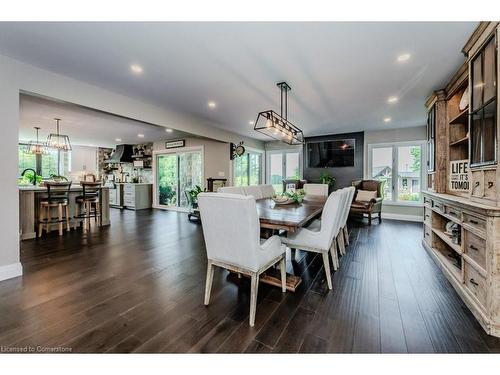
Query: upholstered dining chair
[321, 240]
[254, 191]
[343, 237]
[267, 191]
[316, 189]
[232, 190]
[232, 239]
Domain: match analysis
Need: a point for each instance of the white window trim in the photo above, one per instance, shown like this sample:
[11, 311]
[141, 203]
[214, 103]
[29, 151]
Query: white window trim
[283, 170]
[394, 146]
[262, 162]
[155, 173]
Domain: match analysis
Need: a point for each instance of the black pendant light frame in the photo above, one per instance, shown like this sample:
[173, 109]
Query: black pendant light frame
[277, 126]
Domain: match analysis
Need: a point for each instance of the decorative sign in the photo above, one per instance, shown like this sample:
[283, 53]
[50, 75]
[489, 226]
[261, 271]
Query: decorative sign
[236, 150]
[459, 175]
[175, 144]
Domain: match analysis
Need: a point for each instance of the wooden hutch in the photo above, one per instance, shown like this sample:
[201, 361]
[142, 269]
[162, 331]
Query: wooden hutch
[462, 203]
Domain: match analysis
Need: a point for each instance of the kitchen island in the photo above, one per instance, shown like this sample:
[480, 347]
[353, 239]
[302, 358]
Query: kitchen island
[29, 198]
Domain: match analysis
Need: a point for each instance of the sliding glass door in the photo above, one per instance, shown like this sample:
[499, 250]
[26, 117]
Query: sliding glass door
[283, 165]
[176, 173]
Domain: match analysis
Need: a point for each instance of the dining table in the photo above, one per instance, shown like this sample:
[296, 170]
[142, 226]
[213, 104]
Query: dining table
[289, 217]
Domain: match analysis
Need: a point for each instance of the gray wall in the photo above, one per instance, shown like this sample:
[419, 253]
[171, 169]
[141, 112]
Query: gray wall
[343, 175]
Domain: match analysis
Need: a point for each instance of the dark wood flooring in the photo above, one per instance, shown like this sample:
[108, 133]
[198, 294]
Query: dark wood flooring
[138, 286]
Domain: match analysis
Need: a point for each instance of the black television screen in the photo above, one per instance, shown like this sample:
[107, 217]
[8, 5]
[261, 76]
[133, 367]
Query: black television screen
[331, 154]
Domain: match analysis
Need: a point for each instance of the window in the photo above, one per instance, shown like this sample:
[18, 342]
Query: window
[283, 165]
[431, 139]
[399, 166]
[483, 131]
[45, 165]
[247, 169]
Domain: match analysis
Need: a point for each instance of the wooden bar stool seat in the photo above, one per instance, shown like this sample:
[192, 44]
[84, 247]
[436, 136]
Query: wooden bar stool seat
[57, 197]
[90, 199]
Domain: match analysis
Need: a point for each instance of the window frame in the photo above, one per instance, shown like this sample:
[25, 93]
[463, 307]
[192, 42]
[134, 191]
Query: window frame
[395, 169]
[248, 151]
[283, 162]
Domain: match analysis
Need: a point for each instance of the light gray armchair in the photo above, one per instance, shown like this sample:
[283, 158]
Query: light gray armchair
[232, 237]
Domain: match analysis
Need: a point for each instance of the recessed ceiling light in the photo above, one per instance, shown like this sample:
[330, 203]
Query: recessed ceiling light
[140, 135]
[392, 99]
[168, 130]
[404, 57]
[387, 119]
[137, 69]
[251, 123]
[212, 104]
[118, 139]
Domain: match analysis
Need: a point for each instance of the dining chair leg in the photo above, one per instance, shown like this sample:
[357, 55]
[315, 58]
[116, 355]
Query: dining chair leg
[340, 239]
[334, 254]
[77, 208]
[326, 265]
[208, 282]
[254, 288]
[346, 235]
[68, 226]
[60, 215]
[283, 274]
[40, 221]
[49, 219]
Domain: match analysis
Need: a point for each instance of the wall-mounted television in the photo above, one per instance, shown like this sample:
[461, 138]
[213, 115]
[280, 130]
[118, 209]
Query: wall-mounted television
[331, 153]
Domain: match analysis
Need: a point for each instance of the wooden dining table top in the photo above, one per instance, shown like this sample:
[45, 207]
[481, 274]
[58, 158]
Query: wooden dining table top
[289, 217]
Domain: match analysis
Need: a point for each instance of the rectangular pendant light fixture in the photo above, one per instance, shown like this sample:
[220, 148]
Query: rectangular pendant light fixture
[57, 140]
[277, 126]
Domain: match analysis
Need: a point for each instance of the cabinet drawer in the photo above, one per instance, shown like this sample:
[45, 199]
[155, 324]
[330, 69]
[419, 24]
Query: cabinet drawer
[428, 216]
[475, 283]
[427, 201]
[438, 206]
[428, 235]
[475, 248]
[490, 186]
[452, 211]
[475, 222]
[127, 201]
[477, 186]
[128, 188]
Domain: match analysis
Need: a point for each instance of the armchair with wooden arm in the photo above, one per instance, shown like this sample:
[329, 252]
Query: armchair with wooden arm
[374, 205]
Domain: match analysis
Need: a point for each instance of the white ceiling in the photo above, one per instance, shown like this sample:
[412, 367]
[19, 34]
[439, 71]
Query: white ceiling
[341, 74]
[85, 127]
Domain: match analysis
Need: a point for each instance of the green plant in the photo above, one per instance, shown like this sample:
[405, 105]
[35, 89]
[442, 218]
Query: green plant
[327, 178]
[167, 195]
[296, 196]
[192, 195]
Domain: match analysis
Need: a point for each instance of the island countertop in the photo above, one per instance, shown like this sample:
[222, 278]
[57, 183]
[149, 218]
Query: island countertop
[29, 202]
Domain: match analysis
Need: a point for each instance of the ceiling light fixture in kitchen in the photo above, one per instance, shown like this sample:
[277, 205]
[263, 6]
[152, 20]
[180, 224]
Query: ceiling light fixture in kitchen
[37, 147]
[58, 140]
[277, 126]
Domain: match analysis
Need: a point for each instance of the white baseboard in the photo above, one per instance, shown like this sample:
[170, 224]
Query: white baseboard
[11, 270]
[390, 216]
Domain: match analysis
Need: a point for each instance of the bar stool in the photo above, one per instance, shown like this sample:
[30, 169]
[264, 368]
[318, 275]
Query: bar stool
[57, 196]
[90, 199]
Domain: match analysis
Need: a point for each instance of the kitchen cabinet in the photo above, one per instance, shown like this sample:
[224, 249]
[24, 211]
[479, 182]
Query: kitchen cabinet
[137, 196]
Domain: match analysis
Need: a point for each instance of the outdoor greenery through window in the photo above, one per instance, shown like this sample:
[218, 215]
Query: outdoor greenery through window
[400, 167]
[48, 162]
[283, 165]
[247, 169]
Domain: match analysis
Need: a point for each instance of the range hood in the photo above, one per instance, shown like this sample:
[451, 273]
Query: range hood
[122, 154]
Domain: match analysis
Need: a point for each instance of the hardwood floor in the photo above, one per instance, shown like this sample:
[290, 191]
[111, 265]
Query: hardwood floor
[138, 286]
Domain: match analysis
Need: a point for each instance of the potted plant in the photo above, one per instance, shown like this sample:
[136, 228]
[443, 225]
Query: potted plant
[328, 179]
[192, 196]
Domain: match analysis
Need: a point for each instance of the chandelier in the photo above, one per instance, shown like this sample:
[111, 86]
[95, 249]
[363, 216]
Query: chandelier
[57, 140]
[37, 147]
[277, 126]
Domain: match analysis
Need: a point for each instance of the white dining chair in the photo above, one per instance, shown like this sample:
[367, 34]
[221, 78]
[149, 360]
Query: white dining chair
[316, 189]
[232, 190]
[267, 191]
[254, 191]
[321, 240]
[343, 237]
[232, 240]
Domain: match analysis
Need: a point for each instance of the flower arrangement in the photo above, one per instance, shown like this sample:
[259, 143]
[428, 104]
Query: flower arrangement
[295, 196]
